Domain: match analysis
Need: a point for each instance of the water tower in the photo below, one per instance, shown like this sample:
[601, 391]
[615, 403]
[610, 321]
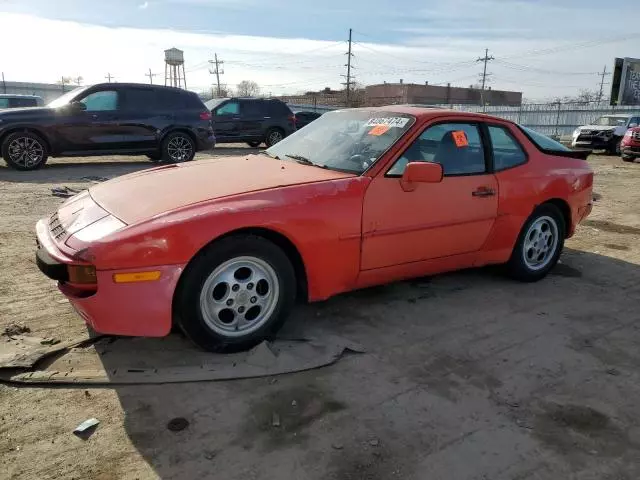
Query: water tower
[173, 62]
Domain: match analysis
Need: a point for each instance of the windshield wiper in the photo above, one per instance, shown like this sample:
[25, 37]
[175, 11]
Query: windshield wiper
[301, 159]
[264, 152]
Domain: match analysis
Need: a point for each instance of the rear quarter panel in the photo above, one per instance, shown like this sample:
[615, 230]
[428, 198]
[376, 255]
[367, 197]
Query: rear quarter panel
[322, 220]
[522, 189]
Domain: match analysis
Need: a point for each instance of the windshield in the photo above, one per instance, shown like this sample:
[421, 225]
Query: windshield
[544, 142]
[608, 121]
[66, 98]
[344, 140]
[211, 104]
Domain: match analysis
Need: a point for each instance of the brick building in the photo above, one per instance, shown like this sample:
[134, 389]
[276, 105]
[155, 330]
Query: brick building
[401, 93]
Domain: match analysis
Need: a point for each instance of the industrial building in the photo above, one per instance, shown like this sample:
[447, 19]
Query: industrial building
[425, 94]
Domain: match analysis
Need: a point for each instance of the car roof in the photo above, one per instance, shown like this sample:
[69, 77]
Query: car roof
[422, 112]
[140, 85]
[620, 115]
[16, 95]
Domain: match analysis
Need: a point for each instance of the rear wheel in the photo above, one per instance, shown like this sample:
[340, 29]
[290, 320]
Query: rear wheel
[235, 294]
[24, 151]
[254, 144]
[274, 135]
[539, 245]
[178, 147]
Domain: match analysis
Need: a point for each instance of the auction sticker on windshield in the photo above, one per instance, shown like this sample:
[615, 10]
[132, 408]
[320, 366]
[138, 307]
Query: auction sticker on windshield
[399, 122]
[379, 130]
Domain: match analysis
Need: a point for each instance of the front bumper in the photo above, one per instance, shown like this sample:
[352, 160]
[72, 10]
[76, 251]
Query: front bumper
[630, 150]
[596, 143]
[132, 309]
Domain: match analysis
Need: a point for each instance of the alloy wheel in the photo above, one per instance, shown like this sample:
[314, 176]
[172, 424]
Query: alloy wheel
[26, 152]
[540, 243]
[179, 149]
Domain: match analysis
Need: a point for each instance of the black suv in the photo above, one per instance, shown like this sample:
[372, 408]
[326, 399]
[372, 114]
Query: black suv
[163, 123]
[251, 120]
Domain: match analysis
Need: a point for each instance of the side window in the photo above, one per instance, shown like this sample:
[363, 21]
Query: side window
[229, 108]
[455, 146]
[103, 101]
[140, 99]
[507, 152]
[252, 108]
[634, 120]
[22, 102]
[4, 103]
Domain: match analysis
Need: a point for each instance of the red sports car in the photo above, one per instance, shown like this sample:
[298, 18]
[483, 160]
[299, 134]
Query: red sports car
[359, 197]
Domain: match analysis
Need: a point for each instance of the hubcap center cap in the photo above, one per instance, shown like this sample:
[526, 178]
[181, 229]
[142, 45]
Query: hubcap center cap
[243, 298]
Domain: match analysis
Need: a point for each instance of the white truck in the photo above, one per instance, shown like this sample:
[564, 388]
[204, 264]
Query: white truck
[605, 133]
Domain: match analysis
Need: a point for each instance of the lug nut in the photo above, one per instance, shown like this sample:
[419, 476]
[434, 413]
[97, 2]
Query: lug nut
[241, 310]
[254, 299]
[229, 302]
[235, 288]
[249, 286]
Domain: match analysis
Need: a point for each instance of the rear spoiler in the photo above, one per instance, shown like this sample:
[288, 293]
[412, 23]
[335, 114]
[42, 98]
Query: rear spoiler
[579, 154]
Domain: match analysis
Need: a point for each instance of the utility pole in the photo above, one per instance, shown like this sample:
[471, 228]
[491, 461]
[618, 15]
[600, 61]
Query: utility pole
[485, 59]
[216, 71]
[349, 67]
[109, 77]
[603, 75]
[4, 85]
[150, 75]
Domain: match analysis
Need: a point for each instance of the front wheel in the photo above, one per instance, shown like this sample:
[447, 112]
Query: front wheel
[235, 294]
[178, 147]
[626, 158]
[539, 245]
[615, 147]
[24, 151]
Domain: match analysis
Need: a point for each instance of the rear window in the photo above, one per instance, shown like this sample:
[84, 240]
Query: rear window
[543, 142]
[23, 102]
[252, 107]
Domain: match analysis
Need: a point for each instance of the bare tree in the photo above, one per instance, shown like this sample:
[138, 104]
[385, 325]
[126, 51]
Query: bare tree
[247, 88]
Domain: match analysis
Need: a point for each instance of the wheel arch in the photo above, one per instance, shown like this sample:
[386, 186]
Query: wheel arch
[277, 238]
[565, 209]
[180, 130]
[30, 129]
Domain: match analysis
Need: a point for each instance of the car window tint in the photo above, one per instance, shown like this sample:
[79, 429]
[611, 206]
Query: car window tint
[22, 102]
[277, 108]
[229, 108]
[140, 99]
[4, 103]
[507, 152]
[455, 146]
[252, 108]
[103, 101]
[542, 141]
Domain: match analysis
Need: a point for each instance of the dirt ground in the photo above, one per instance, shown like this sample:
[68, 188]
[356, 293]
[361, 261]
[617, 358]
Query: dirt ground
[467, 376]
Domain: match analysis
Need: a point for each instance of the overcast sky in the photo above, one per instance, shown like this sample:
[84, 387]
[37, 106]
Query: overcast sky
[543, 48]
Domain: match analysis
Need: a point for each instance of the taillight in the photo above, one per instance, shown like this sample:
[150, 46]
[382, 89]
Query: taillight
[292, 119]
[205, 116]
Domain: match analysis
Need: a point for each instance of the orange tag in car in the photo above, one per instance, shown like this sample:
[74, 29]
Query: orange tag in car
[379, 130]
[460, 138]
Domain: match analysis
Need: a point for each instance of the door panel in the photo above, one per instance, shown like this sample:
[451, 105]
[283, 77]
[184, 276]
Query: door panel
[226, 121]
[252, 116]
[434, 220]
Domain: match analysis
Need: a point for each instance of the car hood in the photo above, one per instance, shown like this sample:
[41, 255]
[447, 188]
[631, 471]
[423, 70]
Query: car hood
[139, 196]
[25, 113]
[597, 128]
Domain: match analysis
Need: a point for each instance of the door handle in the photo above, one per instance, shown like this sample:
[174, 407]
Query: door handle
[483, 192]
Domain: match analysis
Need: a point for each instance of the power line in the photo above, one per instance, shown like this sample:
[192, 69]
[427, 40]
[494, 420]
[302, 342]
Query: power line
[527, 68]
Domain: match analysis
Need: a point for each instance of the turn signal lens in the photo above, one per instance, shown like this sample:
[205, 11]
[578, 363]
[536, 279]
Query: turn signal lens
[136, 277]
[82, 274]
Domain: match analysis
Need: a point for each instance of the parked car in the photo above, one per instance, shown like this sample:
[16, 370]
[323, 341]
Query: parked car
[251, 120]
[357, 198]
[605, 133]
[630, 147]
[305, 118]
[108, 119]
[19, 101]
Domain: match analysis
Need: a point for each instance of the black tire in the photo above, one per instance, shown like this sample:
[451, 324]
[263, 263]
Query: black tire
[178, 147]
[254, 144]
[36, 149]
[198, 282]
[614, 148]
[273, 136]
[520, 267]
[626, 158]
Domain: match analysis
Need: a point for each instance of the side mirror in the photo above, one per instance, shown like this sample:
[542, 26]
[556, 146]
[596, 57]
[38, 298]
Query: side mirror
[420, 172]
[77, 106]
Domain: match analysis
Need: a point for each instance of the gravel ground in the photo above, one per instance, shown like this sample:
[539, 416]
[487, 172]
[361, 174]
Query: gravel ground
[467, 376]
